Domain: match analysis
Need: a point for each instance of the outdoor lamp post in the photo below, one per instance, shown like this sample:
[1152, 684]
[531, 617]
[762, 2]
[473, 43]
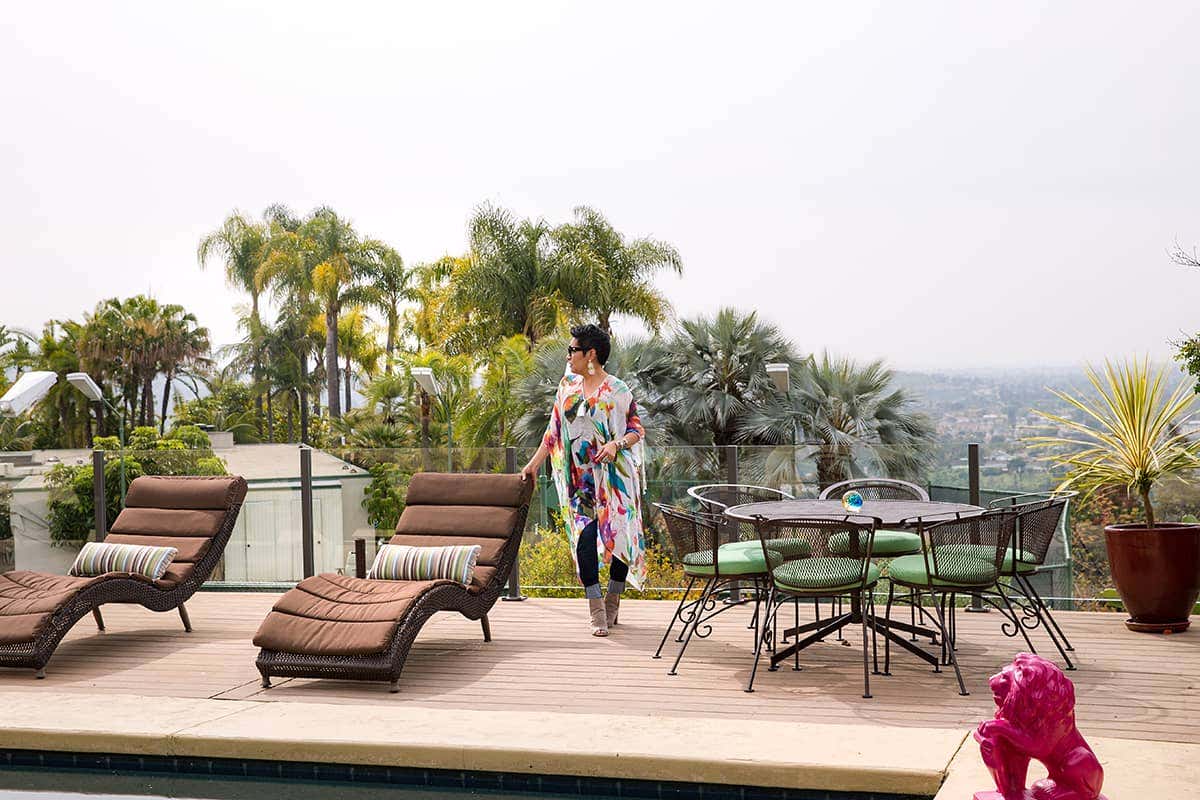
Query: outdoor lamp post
[29, 388]
[84, 383]
[429, 383]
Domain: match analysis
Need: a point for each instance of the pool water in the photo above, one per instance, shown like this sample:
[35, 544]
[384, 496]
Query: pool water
[41, 784]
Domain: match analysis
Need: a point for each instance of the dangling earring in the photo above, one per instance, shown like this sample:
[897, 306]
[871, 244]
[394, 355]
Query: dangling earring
[591, 368]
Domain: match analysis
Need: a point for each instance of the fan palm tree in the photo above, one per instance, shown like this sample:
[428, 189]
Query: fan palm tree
[357, 345]
[433, 318]
[511, 282]
[605, 274]
[715, 375]
[859, 423]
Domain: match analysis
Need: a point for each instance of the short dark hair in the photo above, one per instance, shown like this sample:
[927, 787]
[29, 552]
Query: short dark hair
[593, 337]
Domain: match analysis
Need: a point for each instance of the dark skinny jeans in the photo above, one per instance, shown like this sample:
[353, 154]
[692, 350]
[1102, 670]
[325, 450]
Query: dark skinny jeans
[589, 565]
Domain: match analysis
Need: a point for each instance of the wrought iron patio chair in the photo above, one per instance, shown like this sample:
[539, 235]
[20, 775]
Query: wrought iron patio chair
[709, 564]
[821, 558]
[960, 556]
[888, 543]
[1038, 516]
[714, 498]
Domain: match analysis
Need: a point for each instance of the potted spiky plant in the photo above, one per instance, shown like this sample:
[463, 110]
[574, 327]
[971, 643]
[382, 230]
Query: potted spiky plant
[1133, 438]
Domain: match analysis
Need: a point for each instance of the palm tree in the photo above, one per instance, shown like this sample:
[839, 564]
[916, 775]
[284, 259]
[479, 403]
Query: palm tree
[714, 375]
[241, 245]
[185, 345]
[607, 275]
[287, 271]
[336, 251]
[387, 287]
[511, 282]
[357, 345]
[859, 422]
[433, 319]
[490, 417]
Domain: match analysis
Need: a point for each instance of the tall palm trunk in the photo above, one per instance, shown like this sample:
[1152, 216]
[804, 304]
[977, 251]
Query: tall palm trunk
[270, 418]
[291, 417]
[393, 323]
[331, 363]
[349, 380]
[256, 365]
[162, 425]
[148, 399]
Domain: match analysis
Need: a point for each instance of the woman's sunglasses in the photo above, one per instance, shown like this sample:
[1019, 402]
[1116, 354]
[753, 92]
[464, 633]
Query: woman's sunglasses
[571, 350]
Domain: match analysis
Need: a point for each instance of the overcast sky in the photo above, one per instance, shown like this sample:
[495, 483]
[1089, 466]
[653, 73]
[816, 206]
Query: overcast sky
[943, 185]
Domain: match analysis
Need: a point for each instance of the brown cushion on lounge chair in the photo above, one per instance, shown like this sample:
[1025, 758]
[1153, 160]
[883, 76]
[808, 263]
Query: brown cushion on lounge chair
[339, 615]
[190, 548]
[432, 488]
[476, 521]
[217, 493]
[167, 522]
[27, 600]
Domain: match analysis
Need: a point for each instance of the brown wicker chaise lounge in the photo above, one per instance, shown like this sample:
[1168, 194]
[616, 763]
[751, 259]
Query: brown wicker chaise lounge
[195, 515]
[337, 626]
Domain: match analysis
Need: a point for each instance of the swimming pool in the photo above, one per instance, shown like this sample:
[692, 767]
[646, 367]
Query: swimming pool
[30, 775]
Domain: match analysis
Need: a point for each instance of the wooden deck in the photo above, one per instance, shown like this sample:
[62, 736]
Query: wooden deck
[1133, 686]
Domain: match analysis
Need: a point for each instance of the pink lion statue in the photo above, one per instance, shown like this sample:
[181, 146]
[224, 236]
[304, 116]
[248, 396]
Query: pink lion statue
[1035, 719]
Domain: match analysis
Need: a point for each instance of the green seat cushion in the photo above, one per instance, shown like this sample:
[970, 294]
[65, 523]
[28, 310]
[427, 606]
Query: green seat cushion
[735, 558]
[886, 545]
[1026, 562]
[825, 574]
[953, 571]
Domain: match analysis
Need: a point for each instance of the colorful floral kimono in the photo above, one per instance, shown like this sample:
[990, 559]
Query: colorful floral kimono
[610, 493]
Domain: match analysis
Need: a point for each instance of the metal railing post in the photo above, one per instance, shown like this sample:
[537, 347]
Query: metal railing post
[973, 499]
[514, 577]
[99, 495]
[731, 476]
[306, 511]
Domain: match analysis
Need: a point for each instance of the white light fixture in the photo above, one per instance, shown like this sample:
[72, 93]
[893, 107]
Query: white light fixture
[29, 388]
[779, 375]
[425, 378]
[84, 383]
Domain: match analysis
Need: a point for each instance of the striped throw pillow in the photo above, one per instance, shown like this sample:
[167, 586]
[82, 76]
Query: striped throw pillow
[97, 558]
[400, 562]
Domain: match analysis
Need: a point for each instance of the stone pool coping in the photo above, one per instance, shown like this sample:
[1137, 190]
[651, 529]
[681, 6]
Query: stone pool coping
[848, 758]
[841, 758]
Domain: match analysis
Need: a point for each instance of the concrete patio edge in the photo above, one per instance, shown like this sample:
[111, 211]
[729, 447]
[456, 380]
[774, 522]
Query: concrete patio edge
[645, 747]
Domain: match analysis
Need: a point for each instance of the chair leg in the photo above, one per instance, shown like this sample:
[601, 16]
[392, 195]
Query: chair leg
[1044, 611]
[704, 595]
[487, 628]
[678, 615]
[962, 687]
[183, 615]
[866, 670]
[394, 687]
[1017, 619]
[266, 681]
[99, 619]
[766, 628]
[40, 674]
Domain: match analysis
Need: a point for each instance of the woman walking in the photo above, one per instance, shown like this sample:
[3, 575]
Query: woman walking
[594, 441]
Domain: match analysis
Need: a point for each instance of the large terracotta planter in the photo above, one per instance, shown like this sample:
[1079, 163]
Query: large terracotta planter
[1156, 572]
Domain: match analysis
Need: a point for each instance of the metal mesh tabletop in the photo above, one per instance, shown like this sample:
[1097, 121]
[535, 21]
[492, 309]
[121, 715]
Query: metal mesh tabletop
[890, 512]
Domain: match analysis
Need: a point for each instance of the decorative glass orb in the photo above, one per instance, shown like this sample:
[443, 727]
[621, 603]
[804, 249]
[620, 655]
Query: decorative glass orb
[852, 501]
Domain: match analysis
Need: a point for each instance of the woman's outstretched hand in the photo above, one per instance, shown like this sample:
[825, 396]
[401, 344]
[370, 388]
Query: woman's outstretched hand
[529, 472]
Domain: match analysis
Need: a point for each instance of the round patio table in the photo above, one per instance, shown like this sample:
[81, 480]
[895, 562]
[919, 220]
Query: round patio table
[890, 513]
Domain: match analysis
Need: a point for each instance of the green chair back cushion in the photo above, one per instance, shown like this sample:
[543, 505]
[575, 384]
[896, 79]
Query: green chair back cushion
[887, 544]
